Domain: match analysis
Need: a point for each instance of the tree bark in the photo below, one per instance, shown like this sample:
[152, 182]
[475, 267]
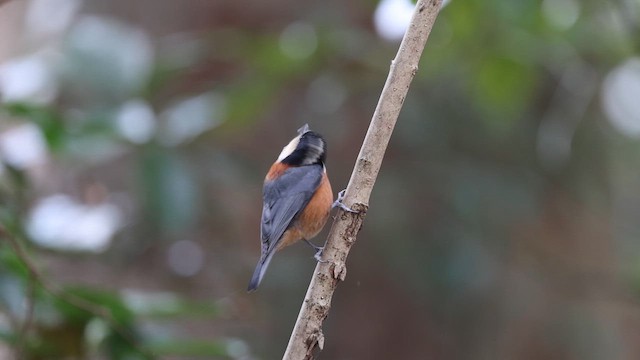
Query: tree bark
[307, 338]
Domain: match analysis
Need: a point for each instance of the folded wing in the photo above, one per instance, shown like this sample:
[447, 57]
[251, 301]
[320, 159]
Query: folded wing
[284, 198]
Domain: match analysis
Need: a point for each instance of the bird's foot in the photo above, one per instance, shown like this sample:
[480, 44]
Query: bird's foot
[318, 249]
[318, 256]
[338, 203]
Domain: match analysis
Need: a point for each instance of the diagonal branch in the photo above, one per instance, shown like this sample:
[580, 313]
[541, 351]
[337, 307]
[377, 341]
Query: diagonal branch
[307, 336]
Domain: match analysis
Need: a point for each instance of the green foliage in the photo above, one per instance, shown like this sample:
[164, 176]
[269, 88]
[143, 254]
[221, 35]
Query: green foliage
[169, 189]
[191, 348]
[76, 321]
[51, 123]
[474, 237]
[504, 89]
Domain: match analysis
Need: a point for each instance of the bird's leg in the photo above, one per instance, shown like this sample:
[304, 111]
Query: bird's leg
[338, 203]
[318, 249]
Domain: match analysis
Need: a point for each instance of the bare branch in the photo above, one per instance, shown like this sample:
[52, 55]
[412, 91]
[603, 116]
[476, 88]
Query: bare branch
[307, 337]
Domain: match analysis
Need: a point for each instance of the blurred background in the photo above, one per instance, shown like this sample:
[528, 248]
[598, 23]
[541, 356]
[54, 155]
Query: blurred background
[134, 138]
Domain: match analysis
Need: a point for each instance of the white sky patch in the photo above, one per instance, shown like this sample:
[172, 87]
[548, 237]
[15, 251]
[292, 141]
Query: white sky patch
[621, 97]
[561, 14]
[298, 40]
[96, 331]
[59, 222]
[50, 17]
[392, 18]
[108, 46]
[189, 118]
[136, 121]
[149, 302]
[238, 349]
[23, 146]
[28, 79]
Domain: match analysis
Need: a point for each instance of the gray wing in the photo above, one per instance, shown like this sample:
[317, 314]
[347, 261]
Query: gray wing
[284, 198]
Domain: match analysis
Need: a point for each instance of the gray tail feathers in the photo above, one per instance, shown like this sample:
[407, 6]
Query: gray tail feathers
[261, 268]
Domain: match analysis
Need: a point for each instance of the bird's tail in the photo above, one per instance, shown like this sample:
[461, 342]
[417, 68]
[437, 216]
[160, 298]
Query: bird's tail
[261, 268]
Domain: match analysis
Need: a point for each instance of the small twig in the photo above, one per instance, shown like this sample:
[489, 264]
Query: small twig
[56, 291]
[307, 337]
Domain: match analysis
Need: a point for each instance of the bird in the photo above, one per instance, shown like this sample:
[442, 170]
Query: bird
[297, 199]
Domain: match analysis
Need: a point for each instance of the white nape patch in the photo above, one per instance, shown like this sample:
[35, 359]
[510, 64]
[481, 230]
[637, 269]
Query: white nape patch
[289, 149]
[314, 151]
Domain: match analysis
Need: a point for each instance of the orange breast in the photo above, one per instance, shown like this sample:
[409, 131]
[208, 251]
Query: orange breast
[313, 217]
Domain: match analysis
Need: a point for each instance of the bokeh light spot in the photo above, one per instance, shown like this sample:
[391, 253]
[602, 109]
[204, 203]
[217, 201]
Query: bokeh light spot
[23, 146]
[28, 79]
[190, 117]
[392, 18]
[561, 14]
[58, 222]
[185, 258]
[50, 17]
[108, 54]
[326, 94]
[298, 40]
[136, 121]
[621, 97]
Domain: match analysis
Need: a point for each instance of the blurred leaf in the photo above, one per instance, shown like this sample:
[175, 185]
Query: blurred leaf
[464, 19]
[119, 348]
[248, 99]
[11, 263]
[46, 118]
[192, 348]
[63, 341]
[169, 189]
[6, 336]
[166, 305]
[267, 57]
[106, 60]
[101, 299]
[122, 341]
[503, 89]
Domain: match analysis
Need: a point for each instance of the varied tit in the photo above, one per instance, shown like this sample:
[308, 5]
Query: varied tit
[297, 198]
